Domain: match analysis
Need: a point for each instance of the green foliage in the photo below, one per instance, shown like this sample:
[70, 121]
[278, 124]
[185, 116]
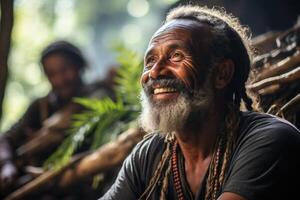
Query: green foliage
[104, 119]
[128, 76]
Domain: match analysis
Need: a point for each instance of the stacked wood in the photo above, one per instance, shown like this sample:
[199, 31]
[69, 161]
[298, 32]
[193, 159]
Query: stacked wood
[84, 165]
[276, 76]
[265, 42]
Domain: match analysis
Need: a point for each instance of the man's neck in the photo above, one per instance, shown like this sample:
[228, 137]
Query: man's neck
[197, 142]
[197, 145]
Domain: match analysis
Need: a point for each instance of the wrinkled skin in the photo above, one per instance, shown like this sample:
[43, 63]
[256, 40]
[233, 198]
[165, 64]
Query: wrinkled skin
[65, 80]
[177, 77]
[175, 66]
[176, 46]
[171, 55]
[177, 63]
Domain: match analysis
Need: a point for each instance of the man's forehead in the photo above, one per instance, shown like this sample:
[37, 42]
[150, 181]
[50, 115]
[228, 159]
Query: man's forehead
[190, 26]
[194, 34]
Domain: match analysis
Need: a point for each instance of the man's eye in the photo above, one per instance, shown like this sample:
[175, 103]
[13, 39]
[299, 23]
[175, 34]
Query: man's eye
[176, 57]
[150, 62]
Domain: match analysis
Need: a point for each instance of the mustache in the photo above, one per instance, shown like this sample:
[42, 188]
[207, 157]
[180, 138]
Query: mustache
[164, 82]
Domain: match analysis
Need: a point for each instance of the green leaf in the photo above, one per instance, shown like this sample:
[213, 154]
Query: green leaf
[104, 118]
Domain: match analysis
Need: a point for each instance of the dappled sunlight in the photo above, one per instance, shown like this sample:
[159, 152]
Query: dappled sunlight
[131, 34]
[96, 27]
[138, 8]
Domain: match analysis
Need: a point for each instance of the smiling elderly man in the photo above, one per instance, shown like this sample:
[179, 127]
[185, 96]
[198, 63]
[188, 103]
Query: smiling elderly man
[202, 146]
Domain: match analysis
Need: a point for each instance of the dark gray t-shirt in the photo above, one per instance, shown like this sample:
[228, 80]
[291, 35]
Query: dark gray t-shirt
[265, 164]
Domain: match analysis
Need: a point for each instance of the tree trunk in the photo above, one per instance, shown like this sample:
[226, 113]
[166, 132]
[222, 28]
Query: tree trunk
[6, 25]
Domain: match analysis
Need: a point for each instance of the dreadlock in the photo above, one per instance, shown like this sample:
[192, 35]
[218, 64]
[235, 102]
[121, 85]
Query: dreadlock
[230, 41]
[164, 163]
[222, 154]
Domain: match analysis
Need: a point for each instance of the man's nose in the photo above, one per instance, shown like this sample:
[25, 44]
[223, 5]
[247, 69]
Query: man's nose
[57, 81]
[159, 69]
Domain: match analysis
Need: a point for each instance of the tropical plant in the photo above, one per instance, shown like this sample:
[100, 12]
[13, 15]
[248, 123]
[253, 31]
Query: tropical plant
[104, 119]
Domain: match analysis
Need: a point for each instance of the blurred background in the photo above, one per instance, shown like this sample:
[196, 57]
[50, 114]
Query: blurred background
[96, 26]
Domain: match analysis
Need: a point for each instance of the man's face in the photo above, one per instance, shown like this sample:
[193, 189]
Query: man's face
[62, 75]
[176, 82]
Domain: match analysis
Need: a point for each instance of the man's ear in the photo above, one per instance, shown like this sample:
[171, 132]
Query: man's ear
[223, 73]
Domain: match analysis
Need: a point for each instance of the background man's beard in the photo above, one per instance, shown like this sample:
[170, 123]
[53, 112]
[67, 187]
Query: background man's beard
[173, 116]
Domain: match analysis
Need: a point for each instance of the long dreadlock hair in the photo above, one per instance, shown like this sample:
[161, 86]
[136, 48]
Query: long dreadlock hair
[230, 41]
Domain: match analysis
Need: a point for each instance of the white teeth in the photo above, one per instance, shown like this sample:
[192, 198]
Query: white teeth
[164, 90]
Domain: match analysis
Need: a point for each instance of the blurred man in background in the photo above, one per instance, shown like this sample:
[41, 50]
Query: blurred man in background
[63, 64]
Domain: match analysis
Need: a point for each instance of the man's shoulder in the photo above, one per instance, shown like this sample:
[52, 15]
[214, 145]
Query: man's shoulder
[258, 126]
[144, 157]
[147, 150]
[256, 120]
[151, 143]
[263, 162]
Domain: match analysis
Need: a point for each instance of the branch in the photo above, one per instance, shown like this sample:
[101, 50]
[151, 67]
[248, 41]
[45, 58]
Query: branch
[84, 165]
[283, 66]
[41, 181]
[51, 134]
[292, 105]
[281, 79]
[106, 157]
[265, 42]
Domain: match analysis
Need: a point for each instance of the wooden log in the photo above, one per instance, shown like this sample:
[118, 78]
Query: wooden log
[52, 133]
[281, 79]
[84, 165]
[62, 119]
[283, 66]
[45, 138]
[275, 56]
[284, 39]
[269, 90]
[106, 157]
[41, 181]
[266, 42]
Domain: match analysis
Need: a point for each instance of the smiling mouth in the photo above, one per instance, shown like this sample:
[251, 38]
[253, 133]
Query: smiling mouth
[164, 90]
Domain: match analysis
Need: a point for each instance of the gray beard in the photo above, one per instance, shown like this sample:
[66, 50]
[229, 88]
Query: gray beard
[173, 116]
